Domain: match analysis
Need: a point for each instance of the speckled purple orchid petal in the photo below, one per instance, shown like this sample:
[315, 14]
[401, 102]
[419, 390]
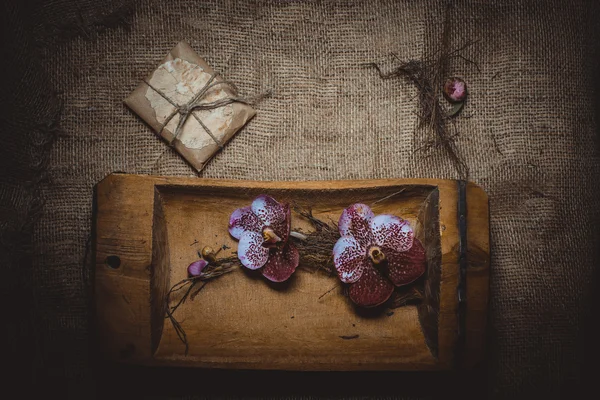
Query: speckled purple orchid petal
[243, 220]
[406, 267]
[393, 232]
[195, 268]
[268, 210]
[282, 227]
[251, 252]
[354, 221]
[349, 258]
[371, 290]
[282, 263]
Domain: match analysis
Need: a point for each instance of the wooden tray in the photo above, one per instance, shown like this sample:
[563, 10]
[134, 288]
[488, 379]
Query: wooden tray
[148, 230]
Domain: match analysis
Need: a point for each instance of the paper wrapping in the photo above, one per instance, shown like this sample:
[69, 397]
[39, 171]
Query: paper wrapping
[181, 76]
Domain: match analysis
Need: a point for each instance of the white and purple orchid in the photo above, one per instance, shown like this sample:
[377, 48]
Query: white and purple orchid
[376, 253]
[263, 230]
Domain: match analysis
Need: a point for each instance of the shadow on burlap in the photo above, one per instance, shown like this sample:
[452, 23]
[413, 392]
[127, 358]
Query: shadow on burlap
[530, 142]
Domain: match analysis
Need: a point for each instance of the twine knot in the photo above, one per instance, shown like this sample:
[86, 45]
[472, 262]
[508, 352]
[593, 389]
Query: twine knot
[187, 109]
[184, 110]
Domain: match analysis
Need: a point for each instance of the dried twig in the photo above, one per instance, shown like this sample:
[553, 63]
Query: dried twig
[219, 268]
[315, 250]
[428, 76]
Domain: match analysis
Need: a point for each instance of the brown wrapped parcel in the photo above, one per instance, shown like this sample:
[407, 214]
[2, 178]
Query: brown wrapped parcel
[183, 101]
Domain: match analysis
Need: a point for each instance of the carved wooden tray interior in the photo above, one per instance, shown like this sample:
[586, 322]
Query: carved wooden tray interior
[155, 227]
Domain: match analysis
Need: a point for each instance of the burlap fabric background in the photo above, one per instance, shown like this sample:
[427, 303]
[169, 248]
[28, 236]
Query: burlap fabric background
[530, 142]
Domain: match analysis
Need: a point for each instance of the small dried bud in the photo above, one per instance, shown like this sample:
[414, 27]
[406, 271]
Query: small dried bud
[195, 268]
[455, 90]
[209, 254]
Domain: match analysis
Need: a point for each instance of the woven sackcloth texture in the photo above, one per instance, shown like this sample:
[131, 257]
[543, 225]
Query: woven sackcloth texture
[527, 134]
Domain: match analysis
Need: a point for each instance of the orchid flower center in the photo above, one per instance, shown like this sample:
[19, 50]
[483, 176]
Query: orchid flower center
[270, 237]
[376, 255]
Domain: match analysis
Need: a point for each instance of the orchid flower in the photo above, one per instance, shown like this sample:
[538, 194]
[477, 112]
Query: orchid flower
[263, 230]
[376, 253]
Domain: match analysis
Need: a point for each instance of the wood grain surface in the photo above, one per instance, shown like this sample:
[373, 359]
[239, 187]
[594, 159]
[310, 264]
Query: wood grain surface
[155, 226]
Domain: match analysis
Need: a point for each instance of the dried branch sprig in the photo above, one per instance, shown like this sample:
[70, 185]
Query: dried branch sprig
[432, 115]
[212, 271]
[427, 76]
[315, 250]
